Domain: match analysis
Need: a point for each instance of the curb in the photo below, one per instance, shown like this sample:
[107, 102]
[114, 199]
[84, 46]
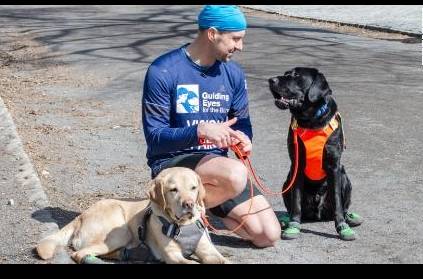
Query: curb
[356, 25]
[27, 176]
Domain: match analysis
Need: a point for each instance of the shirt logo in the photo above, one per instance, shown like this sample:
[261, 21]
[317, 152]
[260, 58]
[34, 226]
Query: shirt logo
[187, 98]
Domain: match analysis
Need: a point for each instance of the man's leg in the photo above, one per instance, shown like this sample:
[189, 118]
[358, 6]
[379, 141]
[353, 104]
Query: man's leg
[224, 179]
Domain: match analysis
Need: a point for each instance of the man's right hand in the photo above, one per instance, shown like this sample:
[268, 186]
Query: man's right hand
[219, 134]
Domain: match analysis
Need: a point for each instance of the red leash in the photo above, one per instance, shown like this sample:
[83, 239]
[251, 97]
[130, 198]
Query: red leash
[252, 175]
[266, 190]
[204, 217]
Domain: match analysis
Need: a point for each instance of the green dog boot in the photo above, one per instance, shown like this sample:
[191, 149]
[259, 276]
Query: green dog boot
[353, 219]
[345, 232]
[292, 231]
[284, 219]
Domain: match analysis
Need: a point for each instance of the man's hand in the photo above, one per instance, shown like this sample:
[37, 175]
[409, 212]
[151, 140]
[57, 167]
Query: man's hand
[223, 136]
[219, 134]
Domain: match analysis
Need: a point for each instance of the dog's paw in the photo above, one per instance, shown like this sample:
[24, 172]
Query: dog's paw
[345, 232]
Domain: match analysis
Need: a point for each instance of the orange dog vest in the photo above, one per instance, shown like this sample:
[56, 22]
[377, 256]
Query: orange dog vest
[314, 141]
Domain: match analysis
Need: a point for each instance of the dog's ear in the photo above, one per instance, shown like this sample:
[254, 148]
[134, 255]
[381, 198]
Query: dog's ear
[201, 192]
[319, 88]
[156, 192]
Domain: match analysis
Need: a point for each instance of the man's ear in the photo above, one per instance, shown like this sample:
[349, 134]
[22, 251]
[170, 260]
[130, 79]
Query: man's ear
[156, 193]
[211, 34]
[319, 88]
[201, 192]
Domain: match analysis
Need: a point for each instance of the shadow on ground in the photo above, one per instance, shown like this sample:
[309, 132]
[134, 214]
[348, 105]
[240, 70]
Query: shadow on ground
[136, 33]
[61, 216]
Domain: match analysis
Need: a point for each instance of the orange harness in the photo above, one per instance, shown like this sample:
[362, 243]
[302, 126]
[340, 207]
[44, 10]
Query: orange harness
[314, 142]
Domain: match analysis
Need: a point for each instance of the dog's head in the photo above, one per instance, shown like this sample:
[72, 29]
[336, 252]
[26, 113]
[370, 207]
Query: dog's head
[179, 192]
[299, 88]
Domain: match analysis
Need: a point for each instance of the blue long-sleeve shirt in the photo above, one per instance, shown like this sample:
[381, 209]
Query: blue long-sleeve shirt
[178, 94]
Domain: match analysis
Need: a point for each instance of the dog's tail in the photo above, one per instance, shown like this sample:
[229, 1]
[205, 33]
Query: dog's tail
[47, 246]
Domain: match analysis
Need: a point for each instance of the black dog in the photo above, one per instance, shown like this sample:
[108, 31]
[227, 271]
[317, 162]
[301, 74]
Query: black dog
[320, 189]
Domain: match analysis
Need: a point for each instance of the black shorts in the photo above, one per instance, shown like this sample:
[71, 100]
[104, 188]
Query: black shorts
[191, 161]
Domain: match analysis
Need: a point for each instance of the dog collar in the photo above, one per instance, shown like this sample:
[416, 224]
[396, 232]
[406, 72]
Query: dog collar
[322, 110]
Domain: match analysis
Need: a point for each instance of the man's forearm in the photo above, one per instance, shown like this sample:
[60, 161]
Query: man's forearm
[164, 140]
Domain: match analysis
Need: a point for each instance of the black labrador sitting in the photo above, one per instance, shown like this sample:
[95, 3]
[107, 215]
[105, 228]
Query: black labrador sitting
[321, 190]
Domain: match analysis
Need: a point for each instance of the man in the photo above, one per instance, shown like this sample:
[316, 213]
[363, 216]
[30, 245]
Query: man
[196, 93]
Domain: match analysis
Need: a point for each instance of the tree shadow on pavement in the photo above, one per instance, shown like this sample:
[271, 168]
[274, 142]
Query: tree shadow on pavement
[61, 216]
[140, 34]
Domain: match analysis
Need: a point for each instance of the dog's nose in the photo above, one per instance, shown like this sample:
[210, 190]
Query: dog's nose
[189, 204]
[273, 80]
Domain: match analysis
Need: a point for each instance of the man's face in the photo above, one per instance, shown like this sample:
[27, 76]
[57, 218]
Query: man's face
[226, 43]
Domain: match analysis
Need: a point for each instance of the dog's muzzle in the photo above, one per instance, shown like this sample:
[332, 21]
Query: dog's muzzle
[280, 101]
[283, 103]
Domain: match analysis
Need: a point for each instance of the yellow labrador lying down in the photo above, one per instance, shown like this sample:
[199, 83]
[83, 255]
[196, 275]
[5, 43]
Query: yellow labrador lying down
[172, 231]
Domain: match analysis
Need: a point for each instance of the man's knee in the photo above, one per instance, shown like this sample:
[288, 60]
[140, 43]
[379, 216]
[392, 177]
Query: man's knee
[268, 237]
[265, 235]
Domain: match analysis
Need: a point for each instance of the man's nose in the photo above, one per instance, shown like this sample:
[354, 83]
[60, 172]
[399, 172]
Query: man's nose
[188, 204]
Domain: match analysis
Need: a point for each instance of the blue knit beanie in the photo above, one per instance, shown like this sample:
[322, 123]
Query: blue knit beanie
[222, 17]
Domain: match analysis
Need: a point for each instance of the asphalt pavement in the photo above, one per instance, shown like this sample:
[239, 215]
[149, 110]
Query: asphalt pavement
[85, 131]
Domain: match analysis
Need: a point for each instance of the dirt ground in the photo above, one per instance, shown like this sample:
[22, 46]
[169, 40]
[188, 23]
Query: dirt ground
[24, 69]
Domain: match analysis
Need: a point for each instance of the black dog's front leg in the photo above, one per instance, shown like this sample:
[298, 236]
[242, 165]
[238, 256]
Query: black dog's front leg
[335, 188]
[335, 191]
[296, 198]
[333, 170]
[293, 204]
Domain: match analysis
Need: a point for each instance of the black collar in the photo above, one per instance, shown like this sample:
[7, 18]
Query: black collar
[322, 110]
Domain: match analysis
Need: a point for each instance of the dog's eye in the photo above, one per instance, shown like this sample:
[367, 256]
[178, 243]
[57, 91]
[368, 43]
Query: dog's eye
[174, 190]
[193, 187]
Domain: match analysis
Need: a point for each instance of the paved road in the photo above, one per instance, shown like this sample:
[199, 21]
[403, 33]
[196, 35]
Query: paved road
[80, 122]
